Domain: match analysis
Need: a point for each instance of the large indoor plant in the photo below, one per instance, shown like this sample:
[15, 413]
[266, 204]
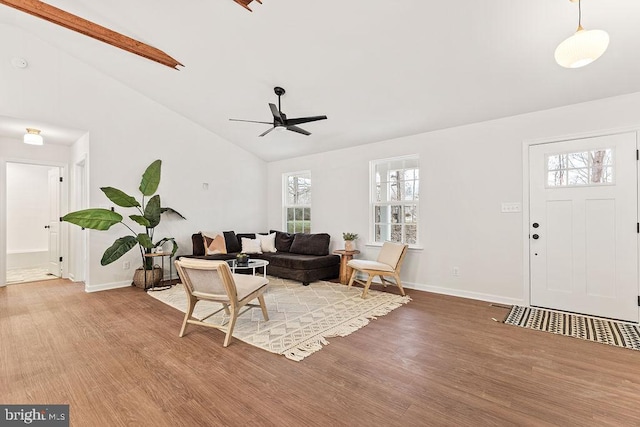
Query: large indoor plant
[148, 216]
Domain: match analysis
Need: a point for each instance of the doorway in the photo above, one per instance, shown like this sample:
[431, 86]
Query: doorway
[583, 226]
[33, 222]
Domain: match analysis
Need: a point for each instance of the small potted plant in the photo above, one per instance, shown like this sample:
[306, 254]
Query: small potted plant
[242, 260]
[349, 241]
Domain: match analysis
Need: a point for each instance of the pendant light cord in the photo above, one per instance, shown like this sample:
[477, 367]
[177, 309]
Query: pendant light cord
[579, 14]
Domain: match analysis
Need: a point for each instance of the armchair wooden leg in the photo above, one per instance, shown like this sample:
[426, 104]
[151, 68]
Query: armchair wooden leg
[366, 286]
[263, 306]
[399, 283]
[192, 304]
[232, 324]
[353, 277]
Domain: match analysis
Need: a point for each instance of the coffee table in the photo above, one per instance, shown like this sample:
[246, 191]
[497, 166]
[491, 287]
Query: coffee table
[253, 264]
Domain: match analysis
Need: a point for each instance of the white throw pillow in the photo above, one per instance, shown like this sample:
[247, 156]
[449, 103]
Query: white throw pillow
[251, 246]
[267, 242]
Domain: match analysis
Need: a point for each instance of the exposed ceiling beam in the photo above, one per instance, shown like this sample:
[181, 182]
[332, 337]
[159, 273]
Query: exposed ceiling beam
[245, 3]
[88, 28]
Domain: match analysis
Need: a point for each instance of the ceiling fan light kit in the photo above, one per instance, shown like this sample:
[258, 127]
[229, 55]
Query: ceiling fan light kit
[583, 47]
[280, 120]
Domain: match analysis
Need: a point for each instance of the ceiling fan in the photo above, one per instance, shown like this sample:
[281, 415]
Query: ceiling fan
[280, 120]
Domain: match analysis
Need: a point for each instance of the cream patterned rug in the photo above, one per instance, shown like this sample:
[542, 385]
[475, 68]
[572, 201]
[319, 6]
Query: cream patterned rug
[301, 318]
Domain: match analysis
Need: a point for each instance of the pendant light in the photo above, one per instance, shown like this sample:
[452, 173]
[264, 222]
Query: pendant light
[33, 137]
[582, 48]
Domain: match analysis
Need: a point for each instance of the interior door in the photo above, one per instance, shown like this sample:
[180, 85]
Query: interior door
[53, 226]
[583, 235]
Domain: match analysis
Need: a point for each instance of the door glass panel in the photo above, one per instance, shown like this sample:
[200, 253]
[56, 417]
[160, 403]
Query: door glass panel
[594, 167]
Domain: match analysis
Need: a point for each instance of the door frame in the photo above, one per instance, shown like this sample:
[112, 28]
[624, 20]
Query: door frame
[526, 219]
[64, 202]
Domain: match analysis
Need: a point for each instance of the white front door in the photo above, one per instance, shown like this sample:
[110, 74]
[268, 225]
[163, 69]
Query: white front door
[54, 222]
[583, 231]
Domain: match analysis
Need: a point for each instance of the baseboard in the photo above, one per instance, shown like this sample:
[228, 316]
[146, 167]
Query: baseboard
[464, 294]
[106, 286]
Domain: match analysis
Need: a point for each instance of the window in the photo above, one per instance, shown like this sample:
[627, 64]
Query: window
[582, 168]
[395, 188]
[297, 202]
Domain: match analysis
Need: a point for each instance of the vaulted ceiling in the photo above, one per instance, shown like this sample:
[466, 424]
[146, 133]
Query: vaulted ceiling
[377, 69]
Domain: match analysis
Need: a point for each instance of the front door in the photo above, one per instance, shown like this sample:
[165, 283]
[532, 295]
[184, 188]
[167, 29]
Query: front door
[583, 231]
[54, 222]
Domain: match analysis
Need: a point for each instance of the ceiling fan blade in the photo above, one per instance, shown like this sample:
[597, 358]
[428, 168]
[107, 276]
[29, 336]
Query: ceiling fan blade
[299, 130]
[276, 113]
[300, 120]
[267, 131]
[250, 121]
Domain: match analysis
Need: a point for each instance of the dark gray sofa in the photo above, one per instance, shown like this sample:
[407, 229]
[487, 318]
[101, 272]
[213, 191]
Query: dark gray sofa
[301, 257]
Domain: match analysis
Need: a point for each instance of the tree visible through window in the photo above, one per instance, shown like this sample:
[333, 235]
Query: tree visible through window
[297, 202]
[395, 187]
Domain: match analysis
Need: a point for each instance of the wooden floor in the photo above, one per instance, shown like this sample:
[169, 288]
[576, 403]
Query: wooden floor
[116, 358]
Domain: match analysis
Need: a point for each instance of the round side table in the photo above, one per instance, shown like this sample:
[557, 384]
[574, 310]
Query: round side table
[345, 270]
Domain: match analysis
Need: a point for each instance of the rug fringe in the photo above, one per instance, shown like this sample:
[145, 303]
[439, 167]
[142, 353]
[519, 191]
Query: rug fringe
[307, 348]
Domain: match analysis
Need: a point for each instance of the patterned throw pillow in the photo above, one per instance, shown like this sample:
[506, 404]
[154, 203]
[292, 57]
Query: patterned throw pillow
[214, 243]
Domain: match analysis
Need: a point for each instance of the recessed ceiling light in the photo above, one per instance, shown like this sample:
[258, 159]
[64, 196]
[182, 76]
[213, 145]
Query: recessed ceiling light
[19, 62]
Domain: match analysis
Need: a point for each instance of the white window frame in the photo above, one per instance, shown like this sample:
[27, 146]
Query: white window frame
[373, 202]
[286, 206]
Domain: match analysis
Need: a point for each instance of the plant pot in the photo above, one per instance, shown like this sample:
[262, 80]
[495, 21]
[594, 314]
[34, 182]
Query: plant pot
[153, 277]
[349, 245]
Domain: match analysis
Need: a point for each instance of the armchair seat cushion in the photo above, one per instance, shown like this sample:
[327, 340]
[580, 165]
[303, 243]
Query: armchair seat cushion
[246, 284]
[363, 264]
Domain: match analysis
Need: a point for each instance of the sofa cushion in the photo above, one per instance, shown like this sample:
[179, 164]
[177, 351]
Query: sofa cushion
[283, 240]
[310, 244]
[231, 241]
[198, 244]
[299, 262]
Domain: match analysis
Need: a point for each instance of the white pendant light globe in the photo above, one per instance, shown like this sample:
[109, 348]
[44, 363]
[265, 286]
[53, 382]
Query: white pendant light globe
[582, 48]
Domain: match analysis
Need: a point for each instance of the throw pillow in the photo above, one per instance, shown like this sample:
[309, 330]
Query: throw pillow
[251, 246]
[283, 240]
[231, 241]
[267, 242]
[310, 244]
[214, 243]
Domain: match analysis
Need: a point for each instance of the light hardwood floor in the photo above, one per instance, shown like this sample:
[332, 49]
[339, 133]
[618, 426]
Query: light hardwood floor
[116, 358]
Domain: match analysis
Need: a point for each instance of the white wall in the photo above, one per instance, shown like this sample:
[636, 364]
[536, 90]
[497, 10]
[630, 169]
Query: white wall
[466, 173]
[27, 215]
[127, 132]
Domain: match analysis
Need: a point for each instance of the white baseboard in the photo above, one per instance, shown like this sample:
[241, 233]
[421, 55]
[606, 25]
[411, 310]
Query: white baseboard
[107, 286]
[464, 294]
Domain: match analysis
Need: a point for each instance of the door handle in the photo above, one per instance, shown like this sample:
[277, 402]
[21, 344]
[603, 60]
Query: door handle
[536, 225]
[535, 237]
[47, 226]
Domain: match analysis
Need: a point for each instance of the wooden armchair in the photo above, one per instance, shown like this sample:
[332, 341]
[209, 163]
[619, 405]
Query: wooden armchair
[213, 281]
[388, 264]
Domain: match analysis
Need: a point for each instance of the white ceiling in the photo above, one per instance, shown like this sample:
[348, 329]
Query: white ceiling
[377, 69]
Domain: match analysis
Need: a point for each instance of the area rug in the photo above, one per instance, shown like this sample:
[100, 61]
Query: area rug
[619, 334]
[301, 318]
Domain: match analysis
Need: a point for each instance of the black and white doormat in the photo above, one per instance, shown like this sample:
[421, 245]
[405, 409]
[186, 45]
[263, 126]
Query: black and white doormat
[619, 334]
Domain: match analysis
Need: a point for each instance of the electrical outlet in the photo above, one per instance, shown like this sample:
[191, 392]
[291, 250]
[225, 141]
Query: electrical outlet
[455, 271]
[126, 265]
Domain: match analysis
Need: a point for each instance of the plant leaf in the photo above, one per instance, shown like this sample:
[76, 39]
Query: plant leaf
[94, 219]
[152, 211]
[140, 220]
[119, 197]
[119, 248]
[171, 210]
[169, 239]
[145, 241]
[151, 178]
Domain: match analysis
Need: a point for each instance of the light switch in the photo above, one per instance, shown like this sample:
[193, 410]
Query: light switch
[511, 207]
